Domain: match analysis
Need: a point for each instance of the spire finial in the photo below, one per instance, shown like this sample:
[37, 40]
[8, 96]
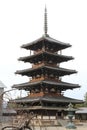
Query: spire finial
[45, 21]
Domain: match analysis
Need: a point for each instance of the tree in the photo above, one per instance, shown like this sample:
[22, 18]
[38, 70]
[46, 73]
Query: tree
[85, 100]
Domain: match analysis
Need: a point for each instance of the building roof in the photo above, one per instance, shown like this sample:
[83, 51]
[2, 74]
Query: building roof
[44, 83]
[46, 69]
[82, 110]
[48, 98]
[56, 58]
[9, 111]
[46, 40]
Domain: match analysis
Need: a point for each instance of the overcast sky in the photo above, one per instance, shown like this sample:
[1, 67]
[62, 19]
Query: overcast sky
[21, 21]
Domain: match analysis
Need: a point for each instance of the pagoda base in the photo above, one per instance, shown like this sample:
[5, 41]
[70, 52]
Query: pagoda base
[45, 122]
[36, 122]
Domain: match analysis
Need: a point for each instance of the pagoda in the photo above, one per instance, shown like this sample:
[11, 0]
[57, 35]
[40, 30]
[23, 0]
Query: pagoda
[45, 86]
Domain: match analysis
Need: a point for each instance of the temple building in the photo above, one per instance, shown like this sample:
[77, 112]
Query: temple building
[45, 86]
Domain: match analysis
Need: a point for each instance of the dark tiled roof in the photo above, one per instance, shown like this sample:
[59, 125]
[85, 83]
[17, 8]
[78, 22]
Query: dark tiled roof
[82, 110]
[61, 99]
[43, 69]
[52, 99]
[48, 40]
[60, 85]
[43, 55]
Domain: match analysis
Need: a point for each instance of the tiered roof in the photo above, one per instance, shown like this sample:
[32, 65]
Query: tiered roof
[48, 98]
[46, 69]
[44, 55]
[60, 85]
[46, 41]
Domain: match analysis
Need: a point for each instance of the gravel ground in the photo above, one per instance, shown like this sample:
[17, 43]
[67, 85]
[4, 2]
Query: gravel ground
[81, 126]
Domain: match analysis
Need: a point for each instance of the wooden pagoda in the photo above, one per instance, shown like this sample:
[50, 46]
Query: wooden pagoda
[45, 86]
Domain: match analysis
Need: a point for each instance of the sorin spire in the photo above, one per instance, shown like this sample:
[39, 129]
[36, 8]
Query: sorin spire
[45, 21]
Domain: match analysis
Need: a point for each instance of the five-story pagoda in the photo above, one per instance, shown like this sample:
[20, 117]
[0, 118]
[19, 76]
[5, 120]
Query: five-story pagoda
[45, 88]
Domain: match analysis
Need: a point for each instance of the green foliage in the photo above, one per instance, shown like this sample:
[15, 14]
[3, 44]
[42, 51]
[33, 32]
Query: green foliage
[85, 99]
[11, 105]
[79, 105]
[83, 104]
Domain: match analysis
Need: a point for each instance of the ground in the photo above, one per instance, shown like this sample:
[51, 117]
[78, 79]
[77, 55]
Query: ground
[80, 126]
